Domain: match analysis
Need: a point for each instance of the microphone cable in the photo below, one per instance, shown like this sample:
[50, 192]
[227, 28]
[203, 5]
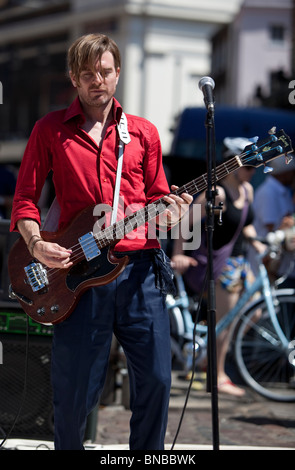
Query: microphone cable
[193, 363]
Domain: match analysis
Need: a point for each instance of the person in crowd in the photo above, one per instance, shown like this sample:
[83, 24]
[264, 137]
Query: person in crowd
[80, 145]
[235, 192]
[275, 210]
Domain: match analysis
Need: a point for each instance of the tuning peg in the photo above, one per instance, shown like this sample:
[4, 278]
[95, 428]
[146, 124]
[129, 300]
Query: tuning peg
[267, 169]
[288, 159]
[259, 157]
[273, 130]
[254, 139]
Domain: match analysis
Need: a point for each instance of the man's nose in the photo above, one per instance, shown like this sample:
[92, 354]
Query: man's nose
[98, 77]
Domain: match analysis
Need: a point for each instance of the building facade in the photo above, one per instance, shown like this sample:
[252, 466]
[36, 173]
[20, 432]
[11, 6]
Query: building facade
[252, 56]
[165, 46]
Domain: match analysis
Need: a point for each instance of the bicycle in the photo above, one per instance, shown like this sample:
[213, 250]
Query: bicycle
[263, 334]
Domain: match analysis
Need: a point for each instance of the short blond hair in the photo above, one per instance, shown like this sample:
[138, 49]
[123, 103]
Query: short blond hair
[87, 50]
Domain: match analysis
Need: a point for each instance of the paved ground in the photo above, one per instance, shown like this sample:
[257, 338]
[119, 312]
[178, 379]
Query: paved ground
[248, 421]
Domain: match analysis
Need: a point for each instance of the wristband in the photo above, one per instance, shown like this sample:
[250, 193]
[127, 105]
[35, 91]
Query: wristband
[31, 247]
[28, 244]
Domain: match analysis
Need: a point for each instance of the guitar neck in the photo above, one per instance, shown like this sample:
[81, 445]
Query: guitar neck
[201, 183]
[151, 211]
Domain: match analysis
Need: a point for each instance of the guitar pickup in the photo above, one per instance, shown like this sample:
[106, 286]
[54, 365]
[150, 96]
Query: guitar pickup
[89, 246]
[36, 276]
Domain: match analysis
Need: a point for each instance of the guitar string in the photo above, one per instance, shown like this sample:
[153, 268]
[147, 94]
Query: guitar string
[94, 240]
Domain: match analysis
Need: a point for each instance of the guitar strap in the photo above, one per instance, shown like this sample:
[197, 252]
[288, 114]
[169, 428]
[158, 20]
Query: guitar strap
[124, 139]
[51, 221]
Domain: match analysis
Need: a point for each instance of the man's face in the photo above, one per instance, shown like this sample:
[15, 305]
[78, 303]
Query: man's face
[97, 89]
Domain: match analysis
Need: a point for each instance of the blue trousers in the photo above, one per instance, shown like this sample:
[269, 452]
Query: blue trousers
[134, 310]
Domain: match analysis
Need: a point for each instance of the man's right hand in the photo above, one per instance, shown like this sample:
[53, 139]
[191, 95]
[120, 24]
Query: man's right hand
[52, 254]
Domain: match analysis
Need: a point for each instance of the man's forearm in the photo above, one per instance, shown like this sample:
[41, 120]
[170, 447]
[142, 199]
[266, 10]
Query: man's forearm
[30, 231]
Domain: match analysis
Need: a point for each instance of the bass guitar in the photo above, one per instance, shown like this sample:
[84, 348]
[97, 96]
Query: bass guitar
[49, 295]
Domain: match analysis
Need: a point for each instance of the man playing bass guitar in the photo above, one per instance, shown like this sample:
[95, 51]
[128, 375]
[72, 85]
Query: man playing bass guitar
[80, 145]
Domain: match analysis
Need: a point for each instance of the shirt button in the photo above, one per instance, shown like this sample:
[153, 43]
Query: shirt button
[104, 179]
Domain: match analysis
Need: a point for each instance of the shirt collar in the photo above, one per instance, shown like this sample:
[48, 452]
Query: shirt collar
[75, 110]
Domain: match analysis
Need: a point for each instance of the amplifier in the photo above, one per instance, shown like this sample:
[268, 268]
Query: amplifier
[15, 321]
[36, 417]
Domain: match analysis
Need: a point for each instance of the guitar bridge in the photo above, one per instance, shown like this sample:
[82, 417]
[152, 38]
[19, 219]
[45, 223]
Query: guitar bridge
[36, 276]
[89, 246]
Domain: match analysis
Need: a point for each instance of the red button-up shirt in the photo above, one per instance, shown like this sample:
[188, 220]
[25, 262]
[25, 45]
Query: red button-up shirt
[84, 174]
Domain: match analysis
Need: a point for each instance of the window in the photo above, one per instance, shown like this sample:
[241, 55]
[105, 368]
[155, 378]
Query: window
[277, 33]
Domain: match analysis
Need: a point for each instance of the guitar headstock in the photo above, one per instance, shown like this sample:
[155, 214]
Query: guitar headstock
[263, 151]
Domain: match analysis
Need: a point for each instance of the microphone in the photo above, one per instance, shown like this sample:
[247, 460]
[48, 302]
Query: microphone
[206, 85]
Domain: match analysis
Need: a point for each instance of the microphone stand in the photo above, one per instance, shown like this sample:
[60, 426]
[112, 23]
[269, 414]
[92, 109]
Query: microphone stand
[211, 306]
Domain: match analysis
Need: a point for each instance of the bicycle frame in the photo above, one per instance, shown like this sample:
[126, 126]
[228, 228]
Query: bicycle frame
[262, 285]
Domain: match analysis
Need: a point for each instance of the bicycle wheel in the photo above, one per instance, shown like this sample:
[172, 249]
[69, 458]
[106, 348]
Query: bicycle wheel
[265, 364]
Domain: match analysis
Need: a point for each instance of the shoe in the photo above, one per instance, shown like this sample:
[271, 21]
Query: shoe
[230, 388]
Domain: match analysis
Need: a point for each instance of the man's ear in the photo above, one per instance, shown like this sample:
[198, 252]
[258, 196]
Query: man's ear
[73, 79]
[118, 75]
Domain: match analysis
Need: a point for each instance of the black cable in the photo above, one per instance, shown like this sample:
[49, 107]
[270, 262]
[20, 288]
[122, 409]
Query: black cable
[25, 386]
[193, 362]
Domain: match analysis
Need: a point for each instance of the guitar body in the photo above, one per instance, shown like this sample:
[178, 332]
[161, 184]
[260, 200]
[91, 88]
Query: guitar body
[56, 301]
